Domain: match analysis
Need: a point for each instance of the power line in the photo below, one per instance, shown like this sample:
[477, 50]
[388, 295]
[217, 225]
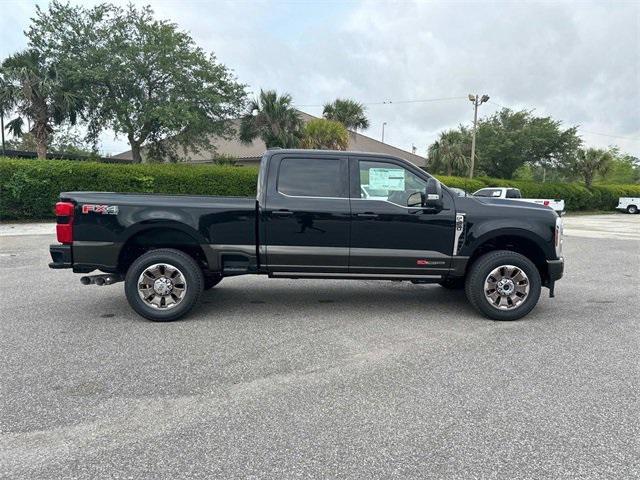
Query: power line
[580, 130]
[396, 102]
[441, 99]
[612, 136]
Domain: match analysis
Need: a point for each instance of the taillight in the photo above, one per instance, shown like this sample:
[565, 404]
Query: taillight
[64, 227]
[546, 203]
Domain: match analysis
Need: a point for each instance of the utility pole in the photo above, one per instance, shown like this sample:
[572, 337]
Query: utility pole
[383, 124]
[477, 101]
[2, 129]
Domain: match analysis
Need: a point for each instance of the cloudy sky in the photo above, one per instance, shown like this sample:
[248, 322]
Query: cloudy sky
[414, 63]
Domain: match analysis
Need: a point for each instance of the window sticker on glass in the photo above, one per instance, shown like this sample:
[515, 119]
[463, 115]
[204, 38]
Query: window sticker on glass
[386, 179]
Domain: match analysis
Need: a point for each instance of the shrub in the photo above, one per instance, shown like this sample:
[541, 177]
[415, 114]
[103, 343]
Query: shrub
[30, 188]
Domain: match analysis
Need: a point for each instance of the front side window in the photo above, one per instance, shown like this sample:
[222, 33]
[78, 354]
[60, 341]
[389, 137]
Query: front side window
[311, 177]
[388, 181]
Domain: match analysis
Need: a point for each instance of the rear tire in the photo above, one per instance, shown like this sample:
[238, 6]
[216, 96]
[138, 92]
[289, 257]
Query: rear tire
[632, 209]
[163, 285]
[510, 300]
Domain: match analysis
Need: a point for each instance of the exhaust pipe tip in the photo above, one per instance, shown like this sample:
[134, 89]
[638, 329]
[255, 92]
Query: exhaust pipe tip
[85, 280]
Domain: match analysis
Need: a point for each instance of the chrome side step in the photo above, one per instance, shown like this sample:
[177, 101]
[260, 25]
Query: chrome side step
[359, 276]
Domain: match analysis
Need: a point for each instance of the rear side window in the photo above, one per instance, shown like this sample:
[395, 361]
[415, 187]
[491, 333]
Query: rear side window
[488, 192]
[513, 193]
[312, 177]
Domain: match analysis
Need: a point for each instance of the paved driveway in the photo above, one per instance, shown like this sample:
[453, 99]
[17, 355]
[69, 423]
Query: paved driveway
[323, 379]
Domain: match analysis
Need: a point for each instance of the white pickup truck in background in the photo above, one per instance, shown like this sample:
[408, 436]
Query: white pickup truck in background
[514, 194]
[629, 204]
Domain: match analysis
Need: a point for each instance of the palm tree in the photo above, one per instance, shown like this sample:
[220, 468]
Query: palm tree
[272, 118]
[348, 112]
[590, 161]
[38, 91]
[324, 134]
[448, 153]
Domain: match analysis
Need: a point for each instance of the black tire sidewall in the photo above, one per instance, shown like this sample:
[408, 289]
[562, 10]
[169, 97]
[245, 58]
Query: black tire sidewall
[474, 287]
[632, 209]
[189, 268]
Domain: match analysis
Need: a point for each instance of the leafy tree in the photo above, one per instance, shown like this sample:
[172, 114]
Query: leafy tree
[272, 118]
[624, 168]
[325, 134]
[141, 77]
[36, 89]
[450, 153]
[348, 112]
[62, 140]
[591, 161]
[507, 140]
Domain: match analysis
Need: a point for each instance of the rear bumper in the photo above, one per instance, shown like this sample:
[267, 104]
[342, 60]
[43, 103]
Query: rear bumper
[61, 256]
[555, 269]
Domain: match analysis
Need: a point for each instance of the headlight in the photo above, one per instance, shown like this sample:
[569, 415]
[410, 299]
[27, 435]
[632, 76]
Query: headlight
[558, 237]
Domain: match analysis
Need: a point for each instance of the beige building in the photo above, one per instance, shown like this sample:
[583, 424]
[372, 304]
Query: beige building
[251, 154]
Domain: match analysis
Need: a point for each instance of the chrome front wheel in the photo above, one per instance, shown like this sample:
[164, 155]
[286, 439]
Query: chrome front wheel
[506, 287]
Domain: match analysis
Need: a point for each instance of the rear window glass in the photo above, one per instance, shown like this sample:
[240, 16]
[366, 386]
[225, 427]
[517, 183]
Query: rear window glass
[311, 178]
[514, 193]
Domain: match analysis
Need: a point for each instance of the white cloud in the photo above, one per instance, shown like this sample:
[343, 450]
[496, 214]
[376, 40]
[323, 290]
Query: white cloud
[578, 62]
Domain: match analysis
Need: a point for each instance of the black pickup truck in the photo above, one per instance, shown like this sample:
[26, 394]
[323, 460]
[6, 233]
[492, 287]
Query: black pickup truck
[317, 214]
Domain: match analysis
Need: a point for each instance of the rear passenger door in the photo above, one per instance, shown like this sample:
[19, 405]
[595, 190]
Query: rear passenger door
[306, 216]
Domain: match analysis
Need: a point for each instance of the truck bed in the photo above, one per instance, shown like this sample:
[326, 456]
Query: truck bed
[104, 222]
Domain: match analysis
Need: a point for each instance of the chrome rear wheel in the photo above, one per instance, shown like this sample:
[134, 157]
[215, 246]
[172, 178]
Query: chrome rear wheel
[162, 286]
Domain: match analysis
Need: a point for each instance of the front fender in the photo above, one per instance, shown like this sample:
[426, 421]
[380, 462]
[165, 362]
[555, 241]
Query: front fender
[480, 233]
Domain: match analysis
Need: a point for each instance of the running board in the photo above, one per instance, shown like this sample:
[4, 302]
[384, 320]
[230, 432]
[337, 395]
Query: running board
[359, 276]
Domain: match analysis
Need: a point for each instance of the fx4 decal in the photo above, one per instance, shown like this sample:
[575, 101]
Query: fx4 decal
[103, 209]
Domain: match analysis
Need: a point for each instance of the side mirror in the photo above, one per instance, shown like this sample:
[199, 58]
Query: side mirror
[433, 194]
[416, 199]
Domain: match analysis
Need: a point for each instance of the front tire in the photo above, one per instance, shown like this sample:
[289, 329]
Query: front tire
[632, 209]
[503, 285]
[163, 285]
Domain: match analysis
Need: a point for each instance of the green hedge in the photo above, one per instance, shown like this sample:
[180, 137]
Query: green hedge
[575, 195]
[29, 188]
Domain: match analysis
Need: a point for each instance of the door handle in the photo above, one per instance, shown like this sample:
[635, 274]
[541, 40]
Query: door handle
[282, 213]
[367, 215]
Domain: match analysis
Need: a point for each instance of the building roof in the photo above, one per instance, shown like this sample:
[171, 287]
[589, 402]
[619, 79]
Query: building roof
[253, 152]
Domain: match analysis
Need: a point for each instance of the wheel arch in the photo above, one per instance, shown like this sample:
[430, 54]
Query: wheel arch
[519, 241]
[174, 235]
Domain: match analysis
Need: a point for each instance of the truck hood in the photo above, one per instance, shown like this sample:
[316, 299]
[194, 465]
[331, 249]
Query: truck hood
[504, 202]
[509, 202]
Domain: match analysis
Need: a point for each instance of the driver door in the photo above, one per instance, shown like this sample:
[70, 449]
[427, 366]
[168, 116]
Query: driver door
[388, 236]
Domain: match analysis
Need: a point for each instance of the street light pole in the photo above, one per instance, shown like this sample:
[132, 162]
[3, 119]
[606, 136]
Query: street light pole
[477, 101]
[383, 124]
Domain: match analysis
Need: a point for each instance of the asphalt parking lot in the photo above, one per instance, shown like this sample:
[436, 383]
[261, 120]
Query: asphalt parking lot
[323, 379]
